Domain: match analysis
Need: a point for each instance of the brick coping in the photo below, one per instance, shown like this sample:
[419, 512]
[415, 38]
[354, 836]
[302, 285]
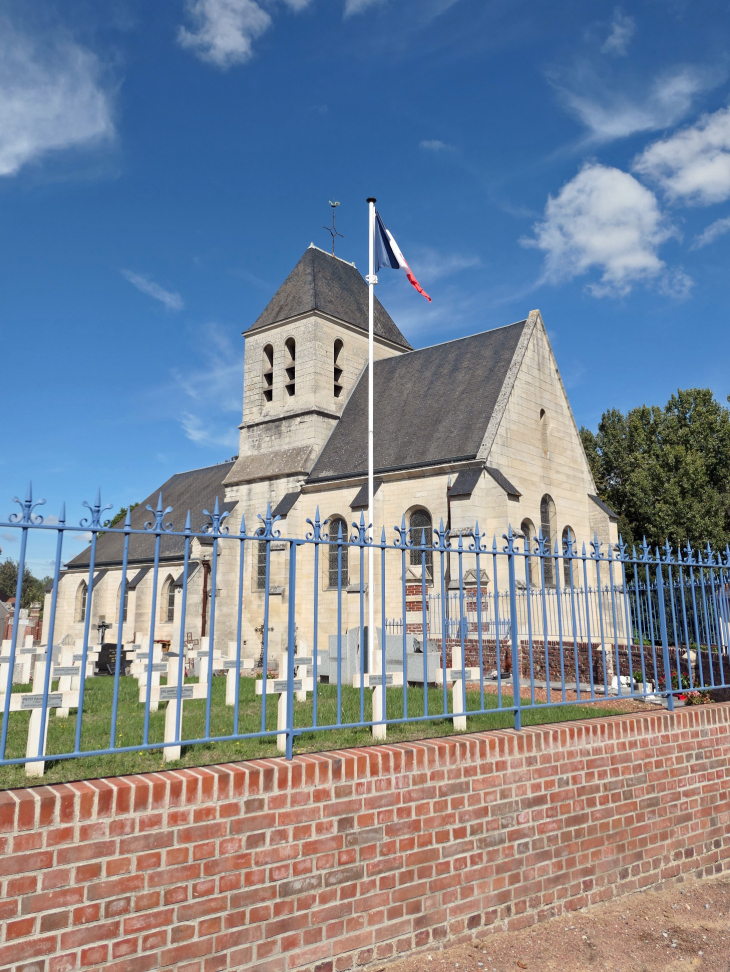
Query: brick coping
[35, 807]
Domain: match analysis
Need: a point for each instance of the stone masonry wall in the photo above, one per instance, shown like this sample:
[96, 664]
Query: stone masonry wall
[339, 860]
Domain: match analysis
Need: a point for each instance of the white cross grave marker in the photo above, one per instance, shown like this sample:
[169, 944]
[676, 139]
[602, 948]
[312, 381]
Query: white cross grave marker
[278, 686]
[247, 665]
[33, 701]
[454, 681]
[374, 680]
[168, 693]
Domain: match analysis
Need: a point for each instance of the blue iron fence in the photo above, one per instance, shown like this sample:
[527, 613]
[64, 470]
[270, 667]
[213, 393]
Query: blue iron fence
[493, 625]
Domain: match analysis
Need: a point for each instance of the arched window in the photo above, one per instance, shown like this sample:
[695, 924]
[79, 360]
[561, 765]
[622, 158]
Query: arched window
[544, 434]
[333, 562]
[339, 362]
[549, 530]
[291, 357]
[567, 547]
[267, 373]
[420, 534]
[81, 595]
[126, 602]
[167, 600]
[527, 528]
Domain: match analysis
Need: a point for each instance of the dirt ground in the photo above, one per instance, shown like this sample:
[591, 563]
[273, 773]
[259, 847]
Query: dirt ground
[677, 929]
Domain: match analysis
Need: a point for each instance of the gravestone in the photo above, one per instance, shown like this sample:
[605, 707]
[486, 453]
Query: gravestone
[229, 664]
[33, 702]
[278, 686]
[456, 677]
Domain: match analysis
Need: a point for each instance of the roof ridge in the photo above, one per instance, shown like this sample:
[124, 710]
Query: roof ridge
[184, 472]
[464, 337]
[349, 263]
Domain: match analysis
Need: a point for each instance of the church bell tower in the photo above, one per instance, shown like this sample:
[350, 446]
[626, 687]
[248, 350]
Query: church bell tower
[304, 355]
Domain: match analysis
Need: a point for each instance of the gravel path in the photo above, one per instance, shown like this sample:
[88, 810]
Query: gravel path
[676, 929]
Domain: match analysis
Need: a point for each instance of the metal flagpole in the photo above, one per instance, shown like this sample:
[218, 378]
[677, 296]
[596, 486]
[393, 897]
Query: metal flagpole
[378, 693]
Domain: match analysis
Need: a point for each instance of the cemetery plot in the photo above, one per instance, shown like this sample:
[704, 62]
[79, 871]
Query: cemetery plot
[454, 678]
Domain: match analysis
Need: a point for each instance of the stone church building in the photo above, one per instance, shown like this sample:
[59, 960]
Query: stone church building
[474, 429]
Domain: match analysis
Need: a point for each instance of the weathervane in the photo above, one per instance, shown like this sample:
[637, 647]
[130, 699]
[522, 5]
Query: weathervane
[333, 229]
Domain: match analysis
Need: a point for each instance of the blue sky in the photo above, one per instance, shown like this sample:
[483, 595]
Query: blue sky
[164, 165]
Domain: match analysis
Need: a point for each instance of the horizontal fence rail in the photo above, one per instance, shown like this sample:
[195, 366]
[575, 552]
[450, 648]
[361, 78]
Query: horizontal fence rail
[464, 627]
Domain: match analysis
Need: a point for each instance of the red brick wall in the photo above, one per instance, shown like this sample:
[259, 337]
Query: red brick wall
[337, 860]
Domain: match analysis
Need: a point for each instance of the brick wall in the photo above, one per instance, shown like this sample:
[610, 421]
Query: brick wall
[337, 860]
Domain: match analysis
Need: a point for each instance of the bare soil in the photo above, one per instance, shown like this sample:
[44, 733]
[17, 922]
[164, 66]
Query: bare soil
[675, 929]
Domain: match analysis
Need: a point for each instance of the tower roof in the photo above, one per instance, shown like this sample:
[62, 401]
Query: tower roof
[325, 283]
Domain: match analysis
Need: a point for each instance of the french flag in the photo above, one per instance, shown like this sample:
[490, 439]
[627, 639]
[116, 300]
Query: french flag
[388, 254]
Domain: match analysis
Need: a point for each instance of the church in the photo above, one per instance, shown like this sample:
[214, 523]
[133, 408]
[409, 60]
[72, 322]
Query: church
[474, 429]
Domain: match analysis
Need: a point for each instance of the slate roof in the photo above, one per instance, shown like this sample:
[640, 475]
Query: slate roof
[501, 480]
[603, 506]
[325, 283]
[195, 490]
[286, 504]
[431, 405]
[465, 483]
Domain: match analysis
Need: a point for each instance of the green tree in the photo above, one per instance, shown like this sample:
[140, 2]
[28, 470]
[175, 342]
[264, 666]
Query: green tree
[119, 516]
[33, 589]
[666, 471]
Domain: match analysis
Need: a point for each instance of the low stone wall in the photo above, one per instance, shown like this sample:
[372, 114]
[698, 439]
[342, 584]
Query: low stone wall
[342, 859]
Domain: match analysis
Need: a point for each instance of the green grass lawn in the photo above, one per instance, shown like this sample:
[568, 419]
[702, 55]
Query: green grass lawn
[130, 723]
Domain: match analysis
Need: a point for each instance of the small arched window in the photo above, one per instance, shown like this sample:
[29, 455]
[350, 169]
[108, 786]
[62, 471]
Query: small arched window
[81, 595]
[291, 368]
[527, 528]
[420, 534]
[267, 373]
[339, 362]
[549, 531]
[337, 568]
[126, 602]
[568, 546]
[167, 600]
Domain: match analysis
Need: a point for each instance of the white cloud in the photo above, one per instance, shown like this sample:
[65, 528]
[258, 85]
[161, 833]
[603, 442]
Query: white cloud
[692, 166]
[224, 30]
[711, 233]
[211, 407]
[51, 97]
[430, 265]
[435, 145]
[204, 434]
[610, 115]
[170, 299]
[9, 537]
[605, 219]
[623, 28]
[357, 6]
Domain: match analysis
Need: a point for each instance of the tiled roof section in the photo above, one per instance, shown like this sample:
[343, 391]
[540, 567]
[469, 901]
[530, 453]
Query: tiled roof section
[604, 506]
[465, 483]
[431, 406]
[296, 460]
[501, 480]
[286, 504]
[195, 490]
[325, 283]
[361, 497]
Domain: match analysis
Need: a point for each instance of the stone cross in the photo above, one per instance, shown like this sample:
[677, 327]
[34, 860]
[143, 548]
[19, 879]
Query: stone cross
[278, 686]
[374, 680]
[168, 693]
[454, 678]
[247, 665]
[33, 702]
